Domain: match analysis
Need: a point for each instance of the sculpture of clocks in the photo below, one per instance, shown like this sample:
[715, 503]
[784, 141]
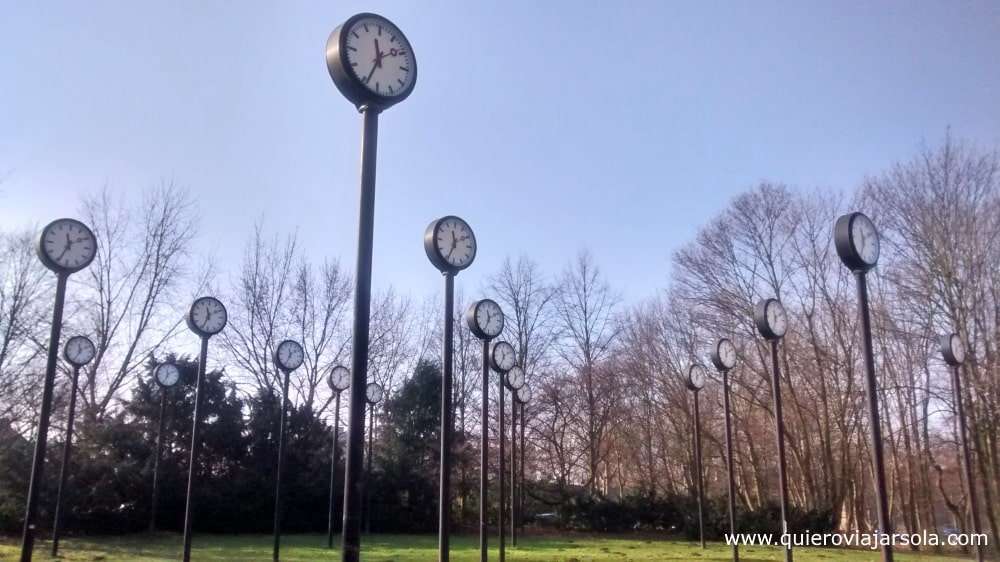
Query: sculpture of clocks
[371, 61]
[952, 349]
[857, 241]
[339, 379]
[485, 319]
[515, 378]
[289, 355]
[79, 351]
[696, 377]
[771, 319]
[67, 246]
[450, 244]
[167, 375]
[724, 355]
[502, 357]
[207, 317]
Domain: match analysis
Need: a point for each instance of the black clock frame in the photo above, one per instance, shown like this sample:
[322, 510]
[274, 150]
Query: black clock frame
[277, 360]
[194, 328]
[348, 82]
[843, 239]
[329, 379]
[493, 356]
[473, 323]
[70, 342]
[156, 375]
[49, 262]
[716, 355]
[690, 381]
[381, 393]
[760, 319]
[948, 350]
[506, 379]
[430, 246]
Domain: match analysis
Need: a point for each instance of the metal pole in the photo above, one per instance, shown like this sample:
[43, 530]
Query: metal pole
[156, 462]
[501, 429]
[351, 540]
[885, 526]
[779, 432]
[64, 469]
[729, 464]
[513, 468]
[333, 470]
[520, 489]
[195, 444]
[368, 470]
[444, 492]
[697, 457]
[967, 454]
[484, 455]
[38, 460]
[281, 463]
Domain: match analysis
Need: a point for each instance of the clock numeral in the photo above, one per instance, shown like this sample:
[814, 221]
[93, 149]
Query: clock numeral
[404, 69]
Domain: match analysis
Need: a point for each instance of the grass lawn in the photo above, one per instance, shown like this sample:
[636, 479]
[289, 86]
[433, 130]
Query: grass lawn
[410, 548]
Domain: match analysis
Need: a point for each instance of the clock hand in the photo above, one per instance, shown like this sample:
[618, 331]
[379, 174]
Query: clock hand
[375, 64]
[378, 54]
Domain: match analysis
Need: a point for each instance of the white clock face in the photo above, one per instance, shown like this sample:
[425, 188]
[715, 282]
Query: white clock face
[489, 318]
[696, 376]
[777, 320]
[167, 374]
[957, 348]
[865, 238]
[504, 358]
[455, 242]
[380, 56]
[727, 353]
[340, 378]
[68, 244]
[79, 350]
[208, 315]
[289, 355]
[374, 393]
[524, 394]
[515, 377]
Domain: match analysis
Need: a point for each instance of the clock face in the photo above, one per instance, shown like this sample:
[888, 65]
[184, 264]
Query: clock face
[503, 357]
[289, 355]
[524, 394]
[865, 239]
[167, 375]
[515, 377]
[67, 245]
[696, 377]
[373, 393]
[777, 320]
[957, 348]
[379, 56]
[727, 353]
[339, 379]
[79, 350]
[453, 245]
[208, 316]
[489, 318]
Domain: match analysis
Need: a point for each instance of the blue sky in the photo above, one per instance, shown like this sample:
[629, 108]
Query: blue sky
[549, 126]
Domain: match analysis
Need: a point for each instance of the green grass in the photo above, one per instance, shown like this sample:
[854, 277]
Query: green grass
[410, 548]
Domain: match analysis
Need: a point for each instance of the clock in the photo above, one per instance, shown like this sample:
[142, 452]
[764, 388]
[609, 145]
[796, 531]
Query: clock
[696, 377]
[524, 394]
[515, 378]
[166, 375]
[289, 355]
[485, 319]
[371, 61]
[953, 349]
[66, 246]
[373, 393]
[502, 357]
[450, 244]
[79, 351]
[771, 319]
[857, 241]
[724, 355]
[339, 379]
[207, 316]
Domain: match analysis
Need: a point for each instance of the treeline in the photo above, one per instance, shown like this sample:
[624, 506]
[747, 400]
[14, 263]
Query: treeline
[610, 429]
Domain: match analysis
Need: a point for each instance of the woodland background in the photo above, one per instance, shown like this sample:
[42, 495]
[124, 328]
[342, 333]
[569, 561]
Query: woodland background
[609, 434]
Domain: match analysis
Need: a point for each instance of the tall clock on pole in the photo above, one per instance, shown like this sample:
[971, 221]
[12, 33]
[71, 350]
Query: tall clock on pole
[372, 63]
[724, 357]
